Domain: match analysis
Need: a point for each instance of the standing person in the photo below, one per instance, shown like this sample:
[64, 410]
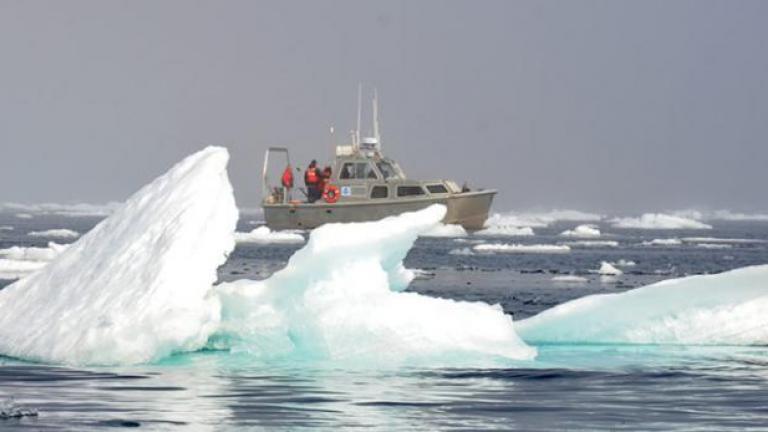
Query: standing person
[325, 178]
[287, 181]
[312, 180]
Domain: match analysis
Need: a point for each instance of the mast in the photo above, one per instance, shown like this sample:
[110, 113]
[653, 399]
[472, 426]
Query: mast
[376, 133]
[359, 112]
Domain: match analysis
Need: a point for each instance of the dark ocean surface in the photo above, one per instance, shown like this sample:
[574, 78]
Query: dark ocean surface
[568, 387]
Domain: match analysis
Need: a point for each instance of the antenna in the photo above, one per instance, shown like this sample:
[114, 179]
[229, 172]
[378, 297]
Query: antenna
[376, 117]
[333, 141]
[359, 112]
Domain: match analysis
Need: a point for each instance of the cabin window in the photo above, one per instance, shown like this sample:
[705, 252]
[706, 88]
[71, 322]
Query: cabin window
[386, 169]
[437, 189]
[357, 170]
[403, 191]
[380, 192]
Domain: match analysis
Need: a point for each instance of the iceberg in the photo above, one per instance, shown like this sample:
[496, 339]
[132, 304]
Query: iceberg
[137, 287]
[582, 231]
[263, 235]
[62, 233]
[341, 299]
[659, 221]
[608, 269]
[721, 309]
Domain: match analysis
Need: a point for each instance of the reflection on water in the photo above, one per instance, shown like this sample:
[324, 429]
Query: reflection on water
[571, 387]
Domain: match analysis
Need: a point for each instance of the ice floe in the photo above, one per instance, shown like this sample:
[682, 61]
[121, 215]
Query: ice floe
[721, 240]
[726, 308]
[72, 210]
[62, 233]
[6, 228]
[569, 279]
[263, 235]
[608, 269]
[521, 248]
[658, 221]
[505, 231]
[31, 253]
[663, 242]
[137, 287]
[582, 231]
[446, 230]
[461, 251]
[593, 243]
[539, 219]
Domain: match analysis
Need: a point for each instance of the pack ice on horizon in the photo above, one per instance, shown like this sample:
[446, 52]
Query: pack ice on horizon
[364, 185]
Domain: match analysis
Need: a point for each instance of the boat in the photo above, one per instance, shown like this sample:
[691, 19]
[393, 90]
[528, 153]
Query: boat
[366, 185]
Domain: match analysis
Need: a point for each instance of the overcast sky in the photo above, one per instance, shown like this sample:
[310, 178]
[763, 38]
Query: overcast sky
[615, 106]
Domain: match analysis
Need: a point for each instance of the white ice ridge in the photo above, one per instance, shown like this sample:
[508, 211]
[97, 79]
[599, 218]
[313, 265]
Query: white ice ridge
[339, 299]
[658, 221]
[445, 230]
[726, 308]
[32, 253]
[263, 235]
[521, 248]
[80, 209]
[62, 233]
[663, 242]
[539, 219]
[582, 231]
[505, 231]
[137, 287]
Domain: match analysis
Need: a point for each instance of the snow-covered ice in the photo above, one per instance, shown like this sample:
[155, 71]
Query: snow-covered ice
[71, 210]
[714, 245]
[582, 231]
[608, 269]
[726, 308]
[569, 279]
[593, 243]
[6, 228]
[24, 216]
[721, 240]
[137, 287]
[658, 221]
[14, 269]
[446, 230]
[663, 242]
[505, 231]
[61, 233]
[625, 263]
[263, 235]
[340, 299]
[31, 253]
[521, 248]
[539, 219]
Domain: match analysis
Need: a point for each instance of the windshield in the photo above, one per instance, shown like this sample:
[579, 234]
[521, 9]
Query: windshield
[386, 169]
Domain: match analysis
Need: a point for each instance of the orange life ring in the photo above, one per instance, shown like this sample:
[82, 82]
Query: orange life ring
[331, 193]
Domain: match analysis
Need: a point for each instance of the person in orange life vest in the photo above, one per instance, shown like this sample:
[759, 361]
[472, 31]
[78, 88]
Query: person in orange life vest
[325, 178]
[312, 181]
[287, 180]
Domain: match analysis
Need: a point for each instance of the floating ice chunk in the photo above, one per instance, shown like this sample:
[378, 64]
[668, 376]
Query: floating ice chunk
[461, 251]
[339, 300]
[569, 279]
[659, 221]
[14, 269]
[539, 219]
[263, 235]
[625, 263]
[714, 245]
[736, 216]
[594, 243]
[137, 287]
[521, 248]
[506, 231]
[6, 228]
[721, 240]
[24, 216]
[81, 209]
[33, 253]
[446, 230]
[582, 231]
[726, 308]
[663, 242]
[607, 269]
[56, 233]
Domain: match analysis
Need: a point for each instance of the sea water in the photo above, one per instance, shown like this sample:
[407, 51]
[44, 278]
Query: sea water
[567, 387]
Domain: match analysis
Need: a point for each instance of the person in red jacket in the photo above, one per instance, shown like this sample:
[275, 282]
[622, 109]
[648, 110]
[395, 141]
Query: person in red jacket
[312, 182]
